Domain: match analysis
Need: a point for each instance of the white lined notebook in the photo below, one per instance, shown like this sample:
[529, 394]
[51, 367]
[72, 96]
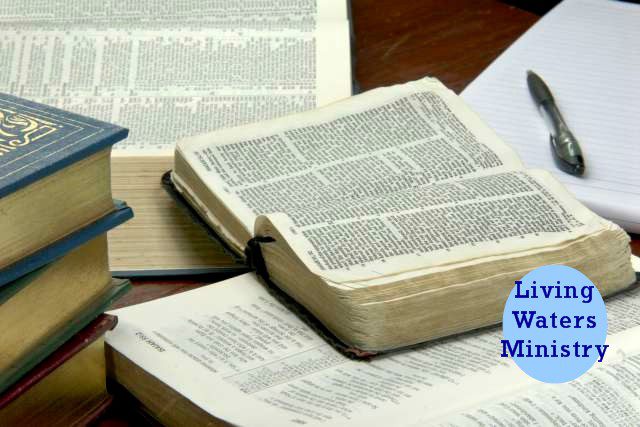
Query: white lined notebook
[588, 52]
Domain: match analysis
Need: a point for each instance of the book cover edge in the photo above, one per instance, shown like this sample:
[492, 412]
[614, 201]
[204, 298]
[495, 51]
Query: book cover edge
[89, 334]
[109, 135]
[102, 303]
[55, 250]
[169, 187]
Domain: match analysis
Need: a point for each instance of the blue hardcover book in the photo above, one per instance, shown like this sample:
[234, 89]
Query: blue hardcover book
[61, 247]
[37, 140]
[55, 180]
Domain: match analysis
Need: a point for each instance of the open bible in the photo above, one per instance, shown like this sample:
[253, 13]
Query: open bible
[167, 70]
[395, 217]
[245, 359]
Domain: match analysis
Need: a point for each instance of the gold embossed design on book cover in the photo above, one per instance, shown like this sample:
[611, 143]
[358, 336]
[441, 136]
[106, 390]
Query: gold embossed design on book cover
[20, 129]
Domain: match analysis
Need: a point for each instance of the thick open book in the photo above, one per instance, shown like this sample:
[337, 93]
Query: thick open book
[395, 216]
[231, 351]
[167, 71]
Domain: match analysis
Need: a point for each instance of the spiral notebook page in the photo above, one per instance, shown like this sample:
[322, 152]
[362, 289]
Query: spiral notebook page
[588, 52]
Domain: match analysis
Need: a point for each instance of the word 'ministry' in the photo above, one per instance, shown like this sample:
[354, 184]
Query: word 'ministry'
[531, 319]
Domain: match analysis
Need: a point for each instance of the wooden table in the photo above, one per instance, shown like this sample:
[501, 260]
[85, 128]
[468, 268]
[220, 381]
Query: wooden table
[397, 41]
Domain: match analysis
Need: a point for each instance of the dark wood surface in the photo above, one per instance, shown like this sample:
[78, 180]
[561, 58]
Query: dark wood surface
[454, 40]
[397, 41]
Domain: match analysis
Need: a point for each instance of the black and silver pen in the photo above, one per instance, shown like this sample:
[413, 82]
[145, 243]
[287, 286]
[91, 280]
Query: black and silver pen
[566, 150]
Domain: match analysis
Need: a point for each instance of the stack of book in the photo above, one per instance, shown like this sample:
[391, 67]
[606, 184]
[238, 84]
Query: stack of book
[55, 210]
[377, 223]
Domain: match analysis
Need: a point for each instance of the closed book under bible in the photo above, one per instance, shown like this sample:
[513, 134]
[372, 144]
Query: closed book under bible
[395, 217]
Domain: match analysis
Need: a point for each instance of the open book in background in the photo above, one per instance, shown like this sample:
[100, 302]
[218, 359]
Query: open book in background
[166, 73]
[588, 53]
[395, 217]
[278, 372]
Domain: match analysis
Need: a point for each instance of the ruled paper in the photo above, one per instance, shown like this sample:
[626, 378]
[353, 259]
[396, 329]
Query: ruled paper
[588, 52]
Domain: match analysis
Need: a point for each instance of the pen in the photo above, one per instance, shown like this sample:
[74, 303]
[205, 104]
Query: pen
[564, 146]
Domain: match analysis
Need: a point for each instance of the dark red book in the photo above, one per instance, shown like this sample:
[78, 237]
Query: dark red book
[68, 387]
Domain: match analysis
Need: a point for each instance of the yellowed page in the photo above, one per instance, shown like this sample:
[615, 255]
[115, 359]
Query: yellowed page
[378, 142]
[434, 225]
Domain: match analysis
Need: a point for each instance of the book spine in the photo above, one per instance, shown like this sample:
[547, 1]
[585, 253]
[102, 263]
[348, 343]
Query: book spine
[89, 334]
[254, 258]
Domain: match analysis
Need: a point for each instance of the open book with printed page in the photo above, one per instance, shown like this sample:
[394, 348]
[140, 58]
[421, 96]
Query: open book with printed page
[244, 359]
[169, 72]
[394, 217]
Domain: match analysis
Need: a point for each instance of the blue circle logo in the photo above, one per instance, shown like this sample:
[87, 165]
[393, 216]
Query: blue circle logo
[554, 324]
